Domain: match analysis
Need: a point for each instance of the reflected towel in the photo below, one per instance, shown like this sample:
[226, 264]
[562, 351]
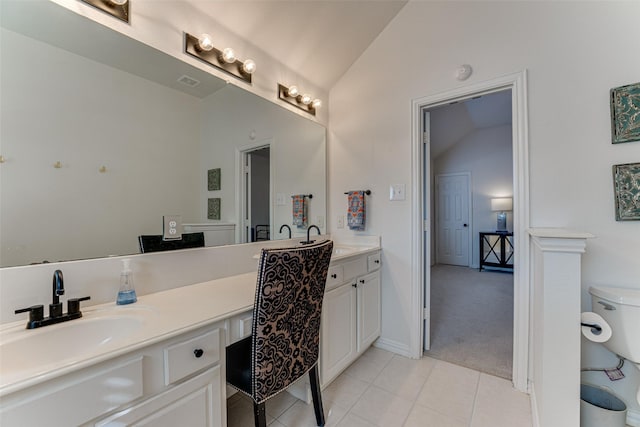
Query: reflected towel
[356, 211]
[299, 210]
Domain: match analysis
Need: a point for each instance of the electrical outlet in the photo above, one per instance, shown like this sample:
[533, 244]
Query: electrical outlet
[340, 221]
[320, 221]
[171, 227]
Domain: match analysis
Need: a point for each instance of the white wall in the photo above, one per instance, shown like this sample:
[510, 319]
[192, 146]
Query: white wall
[574, 53]
[486, 153]
[80, 120]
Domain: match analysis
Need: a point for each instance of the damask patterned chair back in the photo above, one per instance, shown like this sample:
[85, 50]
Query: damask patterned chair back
[286, 316]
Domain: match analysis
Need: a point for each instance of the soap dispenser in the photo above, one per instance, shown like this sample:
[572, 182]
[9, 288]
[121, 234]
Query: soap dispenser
[127, 293]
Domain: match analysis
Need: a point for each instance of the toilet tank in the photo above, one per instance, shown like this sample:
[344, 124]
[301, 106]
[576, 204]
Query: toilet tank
[620, 307]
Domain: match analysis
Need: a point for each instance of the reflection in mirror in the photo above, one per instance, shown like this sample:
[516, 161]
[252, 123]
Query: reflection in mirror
[102, 139]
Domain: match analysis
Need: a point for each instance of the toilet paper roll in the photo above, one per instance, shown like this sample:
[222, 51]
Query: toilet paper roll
[592, 334]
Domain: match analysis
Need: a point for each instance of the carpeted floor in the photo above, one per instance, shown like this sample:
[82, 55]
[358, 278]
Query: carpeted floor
[472, 318]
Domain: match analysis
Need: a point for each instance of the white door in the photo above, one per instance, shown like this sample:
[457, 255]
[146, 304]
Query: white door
[426, 227]
[452, 207]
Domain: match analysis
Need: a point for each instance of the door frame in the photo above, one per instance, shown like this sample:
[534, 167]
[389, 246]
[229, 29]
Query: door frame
[517, 83]
[469, 214]
[241, 194]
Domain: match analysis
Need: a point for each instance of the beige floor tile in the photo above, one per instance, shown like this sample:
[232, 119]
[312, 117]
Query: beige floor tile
[382, 408]
[369, 365]
[351, 420]
[303, 415]
[240, 412]
[450, 390]
[345, 391]
[498, 404]
[279, 403]
[425, 417]
[405, 377]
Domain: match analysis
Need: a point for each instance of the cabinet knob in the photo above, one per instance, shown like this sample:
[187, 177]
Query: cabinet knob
[377, 261]
[355, 285]
[362, 281]
[464, 225]
[198, 352]
[334, 276]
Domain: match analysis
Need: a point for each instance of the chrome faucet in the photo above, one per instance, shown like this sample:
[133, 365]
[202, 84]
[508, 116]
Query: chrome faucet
[308, 241]
[36, 312]
[288, 228]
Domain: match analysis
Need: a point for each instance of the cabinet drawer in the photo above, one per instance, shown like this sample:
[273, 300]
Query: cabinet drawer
[373, 262]
[335, 277]
[186, 357]
[355, 268]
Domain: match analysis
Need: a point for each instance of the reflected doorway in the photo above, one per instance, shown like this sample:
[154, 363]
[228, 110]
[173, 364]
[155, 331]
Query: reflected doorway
[256, 194]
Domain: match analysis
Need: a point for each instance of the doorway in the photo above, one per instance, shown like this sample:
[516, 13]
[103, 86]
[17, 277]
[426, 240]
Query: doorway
[255, 193]
[423, 239]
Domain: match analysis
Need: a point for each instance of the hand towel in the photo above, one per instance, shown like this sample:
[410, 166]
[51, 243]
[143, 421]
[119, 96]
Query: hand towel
[299, 203]
[356, 211]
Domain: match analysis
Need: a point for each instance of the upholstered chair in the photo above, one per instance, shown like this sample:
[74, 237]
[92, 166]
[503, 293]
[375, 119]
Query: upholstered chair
[285, 335]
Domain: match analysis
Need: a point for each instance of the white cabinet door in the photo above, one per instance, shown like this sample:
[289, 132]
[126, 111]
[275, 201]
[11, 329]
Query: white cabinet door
[338, 343]
[194, 403]
[368, 310]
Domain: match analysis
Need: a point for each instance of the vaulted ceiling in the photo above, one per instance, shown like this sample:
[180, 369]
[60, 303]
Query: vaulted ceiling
[318, 39]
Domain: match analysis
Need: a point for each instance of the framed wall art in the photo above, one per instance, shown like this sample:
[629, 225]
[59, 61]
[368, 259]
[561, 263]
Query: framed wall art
[625, 113]
[213, 179]
[626, 185]
[213, 208]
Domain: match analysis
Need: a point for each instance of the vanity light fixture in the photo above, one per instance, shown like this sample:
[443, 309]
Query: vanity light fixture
[116, 8]
[303, 101]
[202, 48]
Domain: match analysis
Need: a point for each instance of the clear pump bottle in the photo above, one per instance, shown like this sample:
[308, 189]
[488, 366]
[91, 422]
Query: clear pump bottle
[127, 293]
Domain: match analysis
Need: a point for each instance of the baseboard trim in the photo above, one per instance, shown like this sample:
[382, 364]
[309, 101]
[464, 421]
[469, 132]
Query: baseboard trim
[394, 347]
[534, 406]
[633, 418]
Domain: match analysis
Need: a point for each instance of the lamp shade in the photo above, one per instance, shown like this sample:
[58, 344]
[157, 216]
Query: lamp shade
[502, 204]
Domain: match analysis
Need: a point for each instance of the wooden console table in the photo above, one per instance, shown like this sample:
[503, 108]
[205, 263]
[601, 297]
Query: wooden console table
[496, 250]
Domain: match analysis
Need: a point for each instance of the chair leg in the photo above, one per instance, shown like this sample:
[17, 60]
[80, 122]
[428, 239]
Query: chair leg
[260, 414]
[317, 396]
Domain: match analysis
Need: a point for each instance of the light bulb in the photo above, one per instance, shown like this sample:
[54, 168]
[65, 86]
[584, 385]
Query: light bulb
[119, 2]
[205, 43]
[228, 55]
[306, 99]
[316, 103]
[293, 91]
[249, 66]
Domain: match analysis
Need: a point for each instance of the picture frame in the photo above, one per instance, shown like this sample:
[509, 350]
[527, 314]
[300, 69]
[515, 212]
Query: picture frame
[625, 113]
[213, 179]
[626, 186]
[213, 208]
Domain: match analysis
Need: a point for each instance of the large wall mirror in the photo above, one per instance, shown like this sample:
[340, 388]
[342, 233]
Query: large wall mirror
[102, 135]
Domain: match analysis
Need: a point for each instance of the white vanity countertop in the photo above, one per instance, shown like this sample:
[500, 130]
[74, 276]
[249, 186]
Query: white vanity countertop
[156, 317]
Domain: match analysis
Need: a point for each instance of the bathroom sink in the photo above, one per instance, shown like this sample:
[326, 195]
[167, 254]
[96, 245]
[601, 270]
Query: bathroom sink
[63, 343]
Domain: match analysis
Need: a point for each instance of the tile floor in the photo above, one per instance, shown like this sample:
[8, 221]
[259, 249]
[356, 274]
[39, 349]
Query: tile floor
[383, 389]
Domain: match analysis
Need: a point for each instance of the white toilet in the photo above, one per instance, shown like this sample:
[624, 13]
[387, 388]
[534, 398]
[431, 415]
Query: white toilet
[620, 307]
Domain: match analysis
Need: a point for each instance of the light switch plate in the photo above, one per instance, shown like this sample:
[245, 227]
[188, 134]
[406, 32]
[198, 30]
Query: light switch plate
[171, 227]
[397, 192]
[281, 200]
